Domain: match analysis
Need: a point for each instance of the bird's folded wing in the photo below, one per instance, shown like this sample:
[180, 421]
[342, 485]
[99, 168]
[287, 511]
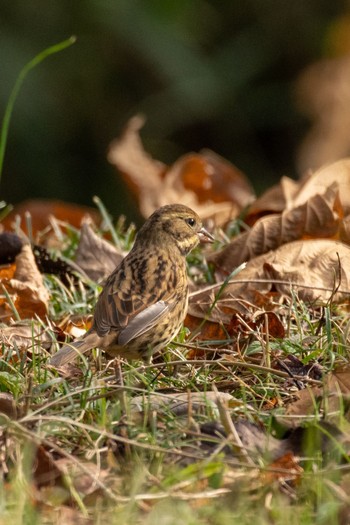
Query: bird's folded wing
[135, 299]
[142, 322]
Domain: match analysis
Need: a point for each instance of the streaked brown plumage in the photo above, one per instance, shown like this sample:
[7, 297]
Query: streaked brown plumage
[144, 301]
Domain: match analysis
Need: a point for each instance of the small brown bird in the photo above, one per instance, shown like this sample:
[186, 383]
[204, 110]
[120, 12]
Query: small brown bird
[144, 301]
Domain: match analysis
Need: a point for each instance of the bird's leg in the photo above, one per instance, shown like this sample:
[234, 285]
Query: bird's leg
[118, 371]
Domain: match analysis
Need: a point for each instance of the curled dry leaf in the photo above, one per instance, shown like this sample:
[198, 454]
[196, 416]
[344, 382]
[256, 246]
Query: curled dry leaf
[205, 181]
[274, 200]
[26, 289]
[313, 268]
[319, 181]
[96, 256]
[288, 194]
[318, 217]
[25, 337]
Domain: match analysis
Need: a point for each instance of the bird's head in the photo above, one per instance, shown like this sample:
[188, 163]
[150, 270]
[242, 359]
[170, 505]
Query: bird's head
[176, 224]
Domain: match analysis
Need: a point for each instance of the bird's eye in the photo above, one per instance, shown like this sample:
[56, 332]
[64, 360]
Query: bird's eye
[191, 222]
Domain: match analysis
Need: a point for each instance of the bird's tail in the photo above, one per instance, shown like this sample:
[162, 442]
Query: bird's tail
[71, 351]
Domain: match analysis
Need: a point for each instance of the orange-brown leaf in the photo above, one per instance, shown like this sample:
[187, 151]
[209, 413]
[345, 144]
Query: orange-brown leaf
[285, 468]
[312, 268]
[40, 212]
[319, 217]
[26, 289]
[205, 181]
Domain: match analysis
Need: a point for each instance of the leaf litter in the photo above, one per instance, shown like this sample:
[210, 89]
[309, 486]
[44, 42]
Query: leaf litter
[232, 406]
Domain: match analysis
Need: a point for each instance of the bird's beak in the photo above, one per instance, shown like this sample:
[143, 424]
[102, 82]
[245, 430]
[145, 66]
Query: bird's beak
[205, 236]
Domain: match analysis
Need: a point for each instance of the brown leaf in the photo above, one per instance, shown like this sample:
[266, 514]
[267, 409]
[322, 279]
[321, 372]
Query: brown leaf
[7, 271]
[205, 182]
[26, 289]
[40, 212]
[326, 398]
[8, 406]
[211, 178]
[269, 322]
[75, 326]
[96, 256]
[316, 266]
[319, 181]
[28, 337]
[240, 327]
[208, 330]
[273, 200]
[284, 469]
[45, 470]
[311, 267]
[317, 217]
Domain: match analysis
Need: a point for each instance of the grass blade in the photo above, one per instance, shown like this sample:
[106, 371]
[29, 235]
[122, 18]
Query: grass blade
[18, 84]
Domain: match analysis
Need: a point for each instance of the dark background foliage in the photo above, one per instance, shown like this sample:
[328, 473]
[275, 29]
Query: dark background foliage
[205, 73]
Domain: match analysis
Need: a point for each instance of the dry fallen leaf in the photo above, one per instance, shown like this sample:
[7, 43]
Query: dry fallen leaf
[26, 289]
[41, 210]
[284, 469]
[7, 271]
[273, 200]
[313, 268]
[318, 217]
[205, 181]
[25, 337]
[45, 469]
[319, 181]
[96, 256]
[324, 399]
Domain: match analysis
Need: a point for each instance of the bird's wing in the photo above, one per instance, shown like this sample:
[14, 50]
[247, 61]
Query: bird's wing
[143, 322]
[135, 297]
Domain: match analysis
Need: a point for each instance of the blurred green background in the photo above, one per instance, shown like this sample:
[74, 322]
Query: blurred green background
[215, 74]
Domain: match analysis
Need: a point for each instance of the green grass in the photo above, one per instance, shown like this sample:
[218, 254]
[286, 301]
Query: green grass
[118, 461]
